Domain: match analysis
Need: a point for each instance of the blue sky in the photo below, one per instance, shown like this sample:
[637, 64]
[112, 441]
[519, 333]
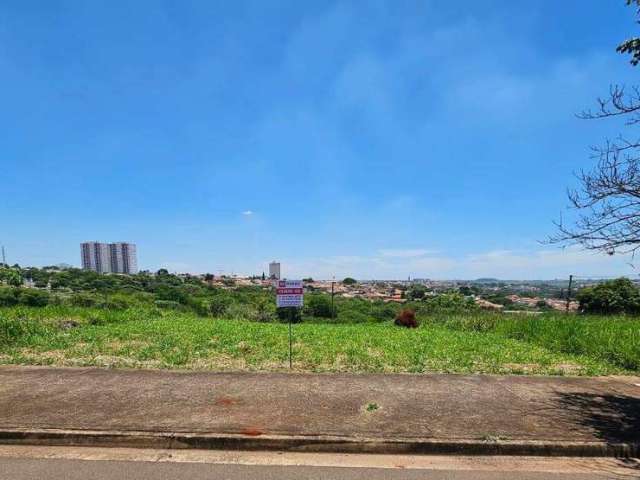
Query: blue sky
[376, 139]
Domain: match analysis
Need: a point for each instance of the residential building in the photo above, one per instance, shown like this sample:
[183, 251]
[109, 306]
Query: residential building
[116, 257]
[124, 257]
[274, 270]
[96, 256]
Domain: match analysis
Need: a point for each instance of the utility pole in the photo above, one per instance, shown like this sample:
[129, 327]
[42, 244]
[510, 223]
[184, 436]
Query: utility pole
[4, 258]
[291, 312]
[569, 293]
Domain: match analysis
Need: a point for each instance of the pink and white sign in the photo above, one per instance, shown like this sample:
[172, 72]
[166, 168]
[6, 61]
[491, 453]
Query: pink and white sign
[289, 293]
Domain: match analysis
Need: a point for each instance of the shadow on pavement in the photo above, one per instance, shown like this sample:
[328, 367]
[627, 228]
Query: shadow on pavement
[613, 418]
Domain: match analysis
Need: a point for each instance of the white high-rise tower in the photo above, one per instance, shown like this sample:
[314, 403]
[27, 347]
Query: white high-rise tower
[274, 270]
[109, 257]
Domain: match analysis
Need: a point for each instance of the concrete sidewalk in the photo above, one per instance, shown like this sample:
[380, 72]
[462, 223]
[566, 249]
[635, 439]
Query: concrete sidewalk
[341, 413]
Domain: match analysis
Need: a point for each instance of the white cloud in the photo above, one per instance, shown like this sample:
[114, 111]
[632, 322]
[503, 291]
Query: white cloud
[247, 213]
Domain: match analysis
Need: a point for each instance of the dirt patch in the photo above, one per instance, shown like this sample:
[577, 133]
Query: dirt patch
[569, 368]
[122, 344]
[251, 432]
[375, 353]
[220, 362]
[521, 367]
[51, 356]
[244, 347]
[226, 401]
[68, 324]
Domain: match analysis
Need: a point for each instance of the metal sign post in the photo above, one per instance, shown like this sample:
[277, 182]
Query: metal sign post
[290, 345]
[289, 295]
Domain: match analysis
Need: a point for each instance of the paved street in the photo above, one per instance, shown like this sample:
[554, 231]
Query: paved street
[69, 463]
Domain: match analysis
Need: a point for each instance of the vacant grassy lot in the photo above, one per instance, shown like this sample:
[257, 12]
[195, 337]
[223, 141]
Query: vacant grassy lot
[471, 343]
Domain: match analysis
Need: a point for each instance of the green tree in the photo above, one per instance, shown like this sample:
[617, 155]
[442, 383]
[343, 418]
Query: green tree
[172, 294]
[11, 276]
[614, 296]
[416, 292]
[631, 46]
[349, 281]
[33, 298]
[318, 305]
[8, 297]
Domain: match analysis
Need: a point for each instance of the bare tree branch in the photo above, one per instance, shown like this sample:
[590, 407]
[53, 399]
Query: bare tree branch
[608, 200]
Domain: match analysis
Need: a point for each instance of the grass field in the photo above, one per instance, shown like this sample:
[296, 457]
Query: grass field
[463, 343]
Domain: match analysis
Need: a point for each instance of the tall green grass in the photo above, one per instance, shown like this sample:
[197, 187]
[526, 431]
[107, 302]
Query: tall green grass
[613, 339]
[453, 343]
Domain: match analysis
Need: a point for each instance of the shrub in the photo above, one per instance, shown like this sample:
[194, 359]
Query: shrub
[286, 314]
[172, 294]
[416, 292]
[449, 302]
[8, 297]
[406, 318]
[383, 311]
[83, 300]
[614, 296]
[319, 305]
[199, 306]
[168, 305]
[219, 305]
[11, 277]
[33, 298]
[115, 302]
[265, 310]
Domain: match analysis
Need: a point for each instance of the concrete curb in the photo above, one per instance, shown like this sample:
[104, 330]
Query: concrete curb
[327, 444]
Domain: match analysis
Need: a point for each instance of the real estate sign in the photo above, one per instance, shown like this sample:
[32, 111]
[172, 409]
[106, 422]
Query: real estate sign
[289, 293]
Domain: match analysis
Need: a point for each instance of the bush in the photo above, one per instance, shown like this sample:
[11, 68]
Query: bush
[614, 296]
[219, 305]
[172, 294]
[199, 306]
[33, 298]
[449, 302]
[115, 302]
[11, 277]
[406, 318]
[416, 292]
[383, 311]
[8, 297]
[319, 305]
[83, 300]
[265, 310]
[242, 311]
[286, 314]
[168, 305]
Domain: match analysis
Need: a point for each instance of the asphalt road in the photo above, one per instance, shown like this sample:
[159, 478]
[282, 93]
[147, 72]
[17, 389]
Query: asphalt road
[70, 463]
[37, 469]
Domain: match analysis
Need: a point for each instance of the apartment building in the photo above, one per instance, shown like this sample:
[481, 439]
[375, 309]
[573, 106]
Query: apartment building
[117, 257]
[274, 270]
[124, 258]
